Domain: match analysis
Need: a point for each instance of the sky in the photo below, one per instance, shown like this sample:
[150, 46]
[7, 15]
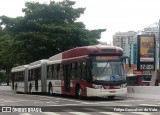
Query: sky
[112, 15]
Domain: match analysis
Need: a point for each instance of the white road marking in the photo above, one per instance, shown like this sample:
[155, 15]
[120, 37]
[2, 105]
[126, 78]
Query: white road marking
[79, 113]
[148, 105]
[75, 112]
[142, 113]
[128, 100]
[13, 101]
[125, 105]
[100, 111]
[38, 102]
[50, 113]
[111, 113]
[64, 104]
[93, 110]
[25, 114]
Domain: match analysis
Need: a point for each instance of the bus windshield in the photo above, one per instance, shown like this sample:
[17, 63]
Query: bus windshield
[108, 71]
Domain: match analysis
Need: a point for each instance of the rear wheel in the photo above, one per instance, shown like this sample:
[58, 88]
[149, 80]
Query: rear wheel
[16, 87]
[111, 97]
[50, 90]
[30, 88]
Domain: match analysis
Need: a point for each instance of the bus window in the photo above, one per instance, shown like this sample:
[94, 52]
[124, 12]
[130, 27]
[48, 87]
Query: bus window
[79, 70]
[49, 72]
[55, 72]
[31, 75]
[17, 76]
[73, 71]
[23, 75]
[84, 70]
[38, 73]
[61, 72]
[58, 71]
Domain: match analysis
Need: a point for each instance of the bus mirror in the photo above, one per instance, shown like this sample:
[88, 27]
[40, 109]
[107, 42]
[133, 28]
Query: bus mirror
[125, 58]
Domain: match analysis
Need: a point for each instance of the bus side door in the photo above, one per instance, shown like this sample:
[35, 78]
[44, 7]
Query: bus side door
[67, 75]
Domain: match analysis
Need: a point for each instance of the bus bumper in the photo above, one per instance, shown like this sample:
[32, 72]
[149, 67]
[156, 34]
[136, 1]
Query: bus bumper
[91, 92]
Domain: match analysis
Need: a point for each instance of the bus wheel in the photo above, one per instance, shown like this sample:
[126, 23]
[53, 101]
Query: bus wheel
[111, 97]
[16, 87]
[79, 92]
[30, 88]
[50, 90]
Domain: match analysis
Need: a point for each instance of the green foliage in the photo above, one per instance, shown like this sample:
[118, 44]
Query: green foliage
[44, 30]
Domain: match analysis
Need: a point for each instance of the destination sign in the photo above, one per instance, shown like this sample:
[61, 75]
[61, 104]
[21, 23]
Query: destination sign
[99, 58]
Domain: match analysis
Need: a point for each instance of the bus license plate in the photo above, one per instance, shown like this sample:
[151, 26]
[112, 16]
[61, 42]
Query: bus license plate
[112, 91]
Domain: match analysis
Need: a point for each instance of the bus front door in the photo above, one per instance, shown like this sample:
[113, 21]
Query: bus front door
[67, 76]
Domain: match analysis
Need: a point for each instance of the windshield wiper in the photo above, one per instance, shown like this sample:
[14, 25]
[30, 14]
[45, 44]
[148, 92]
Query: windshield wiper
[103, 69]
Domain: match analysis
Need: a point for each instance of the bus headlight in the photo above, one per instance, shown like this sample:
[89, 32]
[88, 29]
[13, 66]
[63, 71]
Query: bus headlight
[98, 86]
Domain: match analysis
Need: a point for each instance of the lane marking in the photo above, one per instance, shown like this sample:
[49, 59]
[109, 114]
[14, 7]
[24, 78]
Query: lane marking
[100, 111]
[148, 105]
[25, 114]
[10, 101]
[79, 113]
[50, 113]
[76, 113]
[142, 113]
[111, 113]
[125, 105]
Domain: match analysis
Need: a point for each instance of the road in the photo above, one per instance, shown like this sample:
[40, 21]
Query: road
[63, 105]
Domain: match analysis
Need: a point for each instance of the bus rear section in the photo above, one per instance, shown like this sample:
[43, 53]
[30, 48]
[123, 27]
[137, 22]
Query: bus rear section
[19, 77]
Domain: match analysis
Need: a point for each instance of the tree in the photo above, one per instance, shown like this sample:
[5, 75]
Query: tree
[44, 30]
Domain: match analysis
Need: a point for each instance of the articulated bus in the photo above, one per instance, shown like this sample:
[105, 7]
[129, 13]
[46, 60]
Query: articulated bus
[19, 78]
[89, 71]
[37, 76]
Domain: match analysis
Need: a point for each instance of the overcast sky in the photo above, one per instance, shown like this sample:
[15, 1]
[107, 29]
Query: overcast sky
[113, 15]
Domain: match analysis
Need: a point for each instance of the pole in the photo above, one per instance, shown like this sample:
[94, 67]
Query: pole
[159, 50]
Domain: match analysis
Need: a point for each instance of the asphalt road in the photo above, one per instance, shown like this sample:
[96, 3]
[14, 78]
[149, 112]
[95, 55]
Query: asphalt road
[33, 104]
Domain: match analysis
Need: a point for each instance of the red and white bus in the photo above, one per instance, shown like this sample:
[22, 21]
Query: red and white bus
[87, 71]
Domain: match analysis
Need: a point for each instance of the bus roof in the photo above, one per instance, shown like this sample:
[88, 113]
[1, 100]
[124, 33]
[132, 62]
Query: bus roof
[37, 63]
[91, 50]
[19, 68]
[87, 50]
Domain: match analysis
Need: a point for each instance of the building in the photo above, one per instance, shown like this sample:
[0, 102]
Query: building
[153, 31]
[128, 42]
[122, 38]
[131, 51]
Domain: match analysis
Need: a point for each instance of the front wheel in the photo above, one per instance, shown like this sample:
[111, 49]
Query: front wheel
[111, 97]
[50, 90]
[79, 93]
[30, 88]
[16, 88]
